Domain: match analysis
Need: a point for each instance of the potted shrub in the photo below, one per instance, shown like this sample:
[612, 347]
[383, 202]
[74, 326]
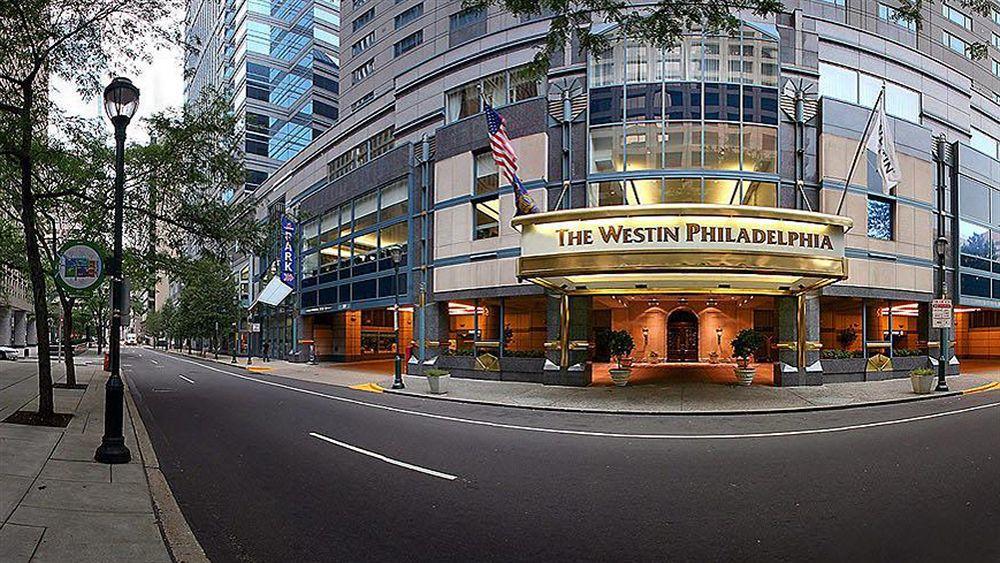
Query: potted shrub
[922, 380]
[620, 345]
[437, 380]
[744, 345]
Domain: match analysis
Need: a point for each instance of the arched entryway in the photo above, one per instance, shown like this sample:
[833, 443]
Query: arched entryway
[682, 336]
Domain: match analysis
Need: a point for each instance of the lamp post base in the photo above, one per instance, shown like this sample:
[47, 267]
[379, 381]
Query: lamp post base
[941, 386]
[113, 452]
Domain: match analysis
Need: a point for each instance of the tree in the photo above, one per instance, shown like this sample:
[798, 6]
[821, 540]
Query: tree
[42, 39]
[208, 301]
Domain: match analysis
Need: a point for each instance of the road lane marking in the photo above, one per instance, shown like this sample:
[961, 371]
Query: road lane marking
[982, 388]
[191, 381]
[155, 363]
[386, 459]
[595, 434]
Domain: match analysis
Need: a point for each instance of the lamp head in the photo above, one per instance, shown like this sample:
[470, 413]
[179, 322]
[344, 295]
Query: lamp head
[941, 246]
[396, 253]
[121, 99]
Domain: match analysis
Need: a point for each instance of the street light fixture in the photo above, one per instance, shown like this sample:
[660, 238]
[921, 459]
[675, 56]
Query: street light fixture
[396, 252]
[121, 100]
[941, 249]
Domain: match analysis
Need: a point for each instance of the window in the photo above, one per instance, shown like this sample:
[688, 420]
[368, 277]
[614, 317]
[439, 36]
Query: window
[956, 16]
[408, 43]
[606, 154]
[363, 44]
[363, 101]
[485, 172]
[985, 143]
[358, 3]
[859, 88]
[408, 15]
[996, 67]
[955, 44]
[395, 200]
[893, 15]
[499, 89]
[466, 18]
[486, 218]
[376, 145]
[837, 2]
[363, 71]
[880, 218]
[363, 19]
[996, 43]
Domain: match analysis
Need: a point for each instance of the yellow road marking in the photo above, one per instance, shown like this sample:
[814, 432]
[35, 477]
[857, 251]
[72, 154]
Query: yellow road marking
[369, 387]
[257, 369]
[981, 388]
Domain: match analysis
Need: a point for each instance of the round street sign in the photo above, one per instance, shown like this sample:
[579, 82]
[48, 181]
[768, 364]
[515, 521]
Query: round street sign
[81, 266]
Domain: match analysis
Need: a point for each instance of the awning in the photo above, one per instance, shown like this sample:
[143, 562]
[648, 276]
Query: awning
[682, 248]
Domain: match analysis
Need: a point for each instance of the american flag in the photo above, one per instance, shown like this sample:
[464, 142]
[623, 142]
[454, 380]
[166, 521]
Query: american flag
[506, 159]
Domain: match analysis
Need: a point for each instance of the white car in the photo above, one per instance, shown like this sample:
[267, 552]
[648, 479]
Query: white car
[8, 353]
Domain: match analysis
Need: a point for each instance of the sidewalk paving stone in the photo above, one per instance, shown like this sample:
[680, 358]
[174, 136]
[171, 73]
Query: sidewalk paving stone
[58, 504]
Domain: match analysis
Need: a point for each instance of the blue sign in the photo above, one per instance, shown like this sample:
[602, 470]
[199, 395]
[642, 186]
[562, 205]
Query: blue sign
[287, 259]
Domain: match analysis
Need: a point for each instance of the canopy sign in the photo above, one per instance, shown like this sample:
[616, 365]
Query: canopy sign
[682, 248]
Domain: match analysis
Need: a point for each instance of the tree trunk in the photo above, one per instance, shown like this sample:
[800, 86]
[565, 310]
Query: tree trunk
[33, 253]
[67, 336]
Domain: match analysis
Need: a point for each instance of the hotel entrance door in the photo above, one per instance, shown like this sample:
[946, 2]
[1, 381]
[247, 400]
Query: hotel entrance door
[682, 336]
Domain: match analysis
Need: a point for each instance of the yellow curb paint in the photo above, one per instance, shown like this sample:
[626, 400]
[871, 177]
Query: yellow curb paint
[256, 369]
[981, 388]
[369, 387]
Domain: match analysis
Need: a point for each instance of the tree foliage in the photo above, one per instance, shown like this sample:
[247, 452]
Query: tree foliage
[207, 301]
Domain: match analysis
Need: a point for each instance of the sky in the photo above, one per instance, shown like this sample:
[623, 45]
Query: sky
[160, 83]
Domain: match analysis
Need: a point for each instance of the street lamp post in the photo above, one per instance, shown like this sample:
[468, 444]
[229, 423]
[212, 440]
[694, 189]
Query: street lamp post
[235, 343]
[941, 248]
[396, 251]
[121, 99]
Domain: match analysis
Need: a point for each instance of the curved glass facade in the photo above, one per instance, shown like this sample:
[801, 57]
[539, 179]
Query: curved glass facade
[696, 123]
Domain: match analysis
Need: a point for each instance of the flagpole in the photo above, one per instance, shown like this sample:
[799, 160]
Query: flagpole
[861, 143]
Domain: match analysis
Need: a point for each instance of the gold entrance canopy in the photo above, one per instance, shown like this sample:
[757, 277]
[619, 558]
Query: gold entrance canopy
[682, 248]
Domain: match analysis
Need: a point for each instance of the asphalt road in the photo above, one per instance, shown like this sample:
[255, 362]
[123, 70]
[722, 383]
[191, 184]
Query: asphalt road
[458, 482]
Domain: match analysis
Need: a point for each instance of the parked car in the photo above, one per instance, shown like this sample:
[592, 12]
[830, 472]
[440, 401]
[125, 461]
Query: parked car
[8, 353]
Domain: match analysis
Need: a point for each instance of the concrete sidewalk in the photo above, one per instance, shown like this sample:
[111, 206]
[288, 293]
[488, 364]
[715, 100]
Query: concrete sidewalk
[680, 397]
[683, 397]
[56, 502]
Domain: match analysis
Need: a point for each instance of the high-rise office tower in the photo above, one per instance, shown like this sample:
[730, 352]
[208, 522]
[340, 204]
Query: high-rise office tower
[278, 60]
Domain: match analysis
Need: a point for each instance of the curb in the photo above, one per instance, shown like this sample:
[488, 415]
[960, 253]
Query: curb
[180, 541]
[785, 410]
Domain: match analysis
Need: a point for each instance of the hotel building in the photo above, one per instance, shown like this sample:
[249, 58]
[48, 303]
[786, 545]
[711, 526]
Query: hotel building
[685, 194]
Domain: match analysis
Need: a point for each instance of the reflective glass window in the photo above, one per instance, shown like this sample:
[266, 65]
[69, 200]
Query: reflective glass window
[880, 218]
[643, 146]
[974, 240]
[486, 218]
[683, 101]
[605, 193]
[682, 190]
[722, 102]
[722, 146]
[486, 173]
[643, 192]
[722, 192]
[760, 148]
[606, 154]
[683, 146]
[395, 200]
[364, 211]
[644, 102]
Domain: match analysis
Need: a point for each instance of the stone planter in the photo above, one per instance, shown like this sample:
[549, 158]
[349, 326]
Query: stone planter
[620, 376]
[438, 384]
[922, 384]
[744, 376]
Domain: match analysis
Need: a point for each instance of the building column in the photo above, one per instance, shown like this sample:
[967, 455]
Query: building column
[798, 335]
[432, 332]
[20, 329]
[567, 354]
[6, 324]
[32, 336]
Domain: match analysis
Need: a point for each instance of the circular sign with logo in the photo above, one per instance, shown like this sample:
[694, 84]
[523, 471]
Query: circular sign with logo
[81, 266]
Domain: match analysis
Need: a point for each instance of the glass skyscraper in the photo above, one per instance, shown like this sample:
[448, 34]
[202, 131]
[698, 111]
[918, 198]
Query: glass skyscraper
[278, 60]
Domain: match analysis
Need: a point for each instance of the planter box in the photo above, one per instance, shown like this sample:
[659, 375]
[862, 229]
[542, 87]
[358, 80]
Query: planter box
[511, 369]
[845, 370]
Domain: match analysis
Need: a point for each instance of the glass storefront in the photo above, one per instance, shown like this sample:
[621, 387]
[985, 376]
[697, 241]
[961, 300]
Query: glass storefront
[707, 108]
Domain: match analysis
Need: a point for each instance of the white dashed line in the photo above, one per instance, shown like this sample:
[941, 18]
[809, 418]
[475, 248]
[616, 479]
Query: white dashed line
[386, 459]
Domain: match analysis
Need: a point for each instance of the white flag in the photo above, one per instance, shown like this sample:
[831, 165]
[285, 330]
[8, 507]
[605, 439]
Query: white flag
[880, 142]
